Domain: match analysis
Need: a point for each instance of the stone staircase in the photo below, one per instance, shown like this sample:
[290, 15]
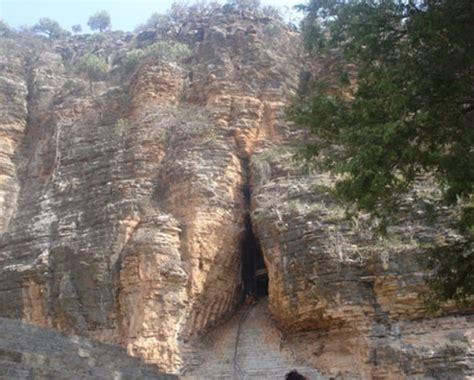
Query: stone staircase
[29, 352]
[247, 347]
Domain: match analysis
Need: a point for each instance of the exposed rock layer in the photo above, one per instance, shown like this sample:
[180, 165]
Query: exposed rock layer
[29, 352]
[122, 211]
[352, 293]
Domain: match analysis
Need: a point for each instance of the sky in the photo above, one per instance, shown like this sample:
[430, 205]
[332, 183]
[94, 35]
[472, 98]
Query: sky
[124, 14]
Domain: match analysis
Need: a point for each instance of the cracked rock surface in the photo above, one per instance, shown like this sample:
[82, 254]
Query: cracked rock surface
[122, 211]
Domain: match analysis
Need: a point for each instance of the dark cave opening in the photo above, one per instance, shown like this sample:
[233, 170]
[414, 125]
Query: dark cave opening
[254, 272]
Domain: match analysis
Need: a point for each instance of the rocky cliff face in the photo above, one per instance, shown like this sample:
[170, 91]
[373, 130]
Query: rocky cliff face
[352, 293]
[122, 210]
[29, 352]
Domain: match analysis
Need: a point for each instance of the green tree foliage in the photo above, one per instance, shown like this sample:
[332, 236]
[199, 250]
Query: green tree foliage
[162, 50]
[131, 60]
[99, 21]
[50, 28]
[76, 28]
[173, 51]
[166, 24]
[178, 16]
[395, 102]
[156, 21]
[93, 67]
[454, 280]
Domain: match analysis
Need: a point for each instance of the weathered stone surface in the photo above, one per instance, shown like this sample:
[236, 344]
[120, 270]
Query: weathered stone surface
[249, 346]
[13, 115]
[351, 292]
[122, 212]
[131, 201]
[29, 352]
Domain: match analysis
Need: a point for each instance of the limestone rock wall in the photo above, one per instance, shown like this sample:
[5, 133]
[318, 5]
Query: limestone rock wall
[125, 204]
[122, 211]
[29, 352]
[13, 109]
[351, 293]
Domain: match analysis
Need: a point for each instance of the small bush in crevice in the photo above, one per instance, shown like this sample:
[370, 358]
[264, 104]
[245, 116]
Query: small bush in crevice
[73, 87]
[162, 50]
[272, 30]
[166, 50]
[453, 275]
[96, 38]
[93, 67]
[131, 60]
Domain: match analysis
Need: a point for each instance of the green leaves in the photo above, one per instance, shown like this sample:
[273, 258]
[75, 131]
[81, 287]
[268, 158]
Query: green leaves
[454, 280]
[99, 21]
[50, 28]
[161, 50]
[395, 96]
[93, 67]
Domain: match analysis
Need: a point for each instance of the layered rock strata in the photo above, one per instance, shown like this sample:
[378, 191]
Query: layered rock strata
[350, 292]
[29, 352]
[123, 208]
[125, 204]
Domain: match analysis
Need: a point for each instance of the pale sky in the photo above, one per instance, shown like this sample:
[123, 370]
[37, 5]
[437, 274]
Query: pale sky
[124, 14]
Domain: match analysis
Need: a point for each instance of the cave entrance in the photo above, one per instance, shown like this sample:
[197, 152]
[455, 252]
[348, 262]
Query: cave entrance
[254, 272]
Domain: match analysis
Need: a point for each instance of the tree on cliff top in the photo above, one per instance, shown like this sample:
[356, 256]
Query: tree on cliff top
[99, 21]
[5, 29]
[50, 28]
[156, 21]
[76, 28]
[398, 103]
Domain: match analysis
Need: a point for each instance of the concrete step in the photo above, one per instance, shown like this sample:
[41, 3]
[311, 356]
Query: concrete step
[248, 346]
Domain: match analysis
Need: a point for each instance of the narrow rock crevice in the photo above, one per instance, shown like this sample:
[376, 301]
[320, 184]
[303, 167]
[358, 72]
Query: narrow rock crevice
[253, 271]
